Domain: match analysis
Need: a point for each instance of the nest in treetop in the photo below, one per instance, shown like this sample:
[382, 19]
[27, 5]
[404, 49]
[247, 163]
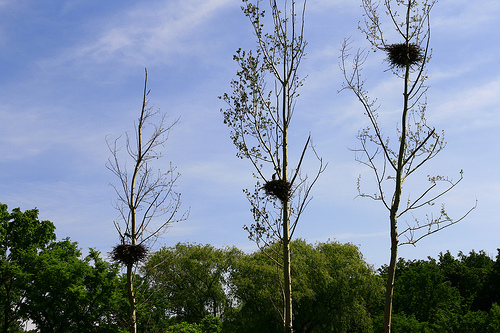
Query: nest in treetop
[128, 254]
[400, 55]
[278, 188]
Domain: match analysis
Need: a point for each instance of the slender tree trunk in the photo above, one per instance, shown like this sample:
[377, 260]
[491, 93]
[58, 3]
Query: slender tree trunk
[396, 199]
[389, 290]
[286, 216]
[286, 269]
[131, 299]
[132, 207]
[130, 267]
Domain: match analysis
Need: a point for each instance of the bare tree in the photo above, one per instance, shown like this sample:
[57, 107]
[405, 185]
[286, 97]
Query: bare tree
[415, 143]
[144, 194]
[260, 111]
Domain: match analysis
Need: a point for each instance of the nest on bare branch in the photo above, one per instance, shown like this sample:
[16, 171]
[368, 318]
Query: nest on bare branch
[278, 188]
[402, 55]
[128, 254]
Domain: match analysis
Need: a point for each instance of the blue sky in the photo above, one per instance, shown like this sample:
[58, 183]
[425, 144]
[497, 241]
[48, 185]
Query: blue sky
[73, 71]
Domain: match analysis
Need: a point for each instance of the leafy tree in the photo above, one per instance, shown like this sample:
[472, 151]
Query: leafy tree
[46, 282]
[22, 235]
[183, 327]
[492, 285]
[152, 305]
[494, 319]
[194, 279]
[341, 293]
[423, 289]
[471, 275]
[209, 324]
[415, 142]
[334, 290]
[67, 294]
[402, 323]
[143, 195]
[442, 296]
[259, 118]
[254, 285]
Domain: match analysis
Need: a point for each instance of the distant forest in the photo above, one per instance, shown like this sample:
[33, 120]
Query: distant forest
[202, 289]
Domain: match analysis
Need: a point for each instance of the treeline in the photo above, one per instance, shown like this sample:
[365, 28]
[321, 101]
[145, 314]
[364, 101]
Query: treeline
[201, 289]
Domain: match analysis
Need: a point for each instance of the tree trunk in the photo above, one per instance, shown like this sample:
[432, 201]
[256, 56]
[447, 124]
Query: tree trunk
[389, 292]
[286, 270]
[286, 216]
[389, 289]
[133, 211]
[131, 299]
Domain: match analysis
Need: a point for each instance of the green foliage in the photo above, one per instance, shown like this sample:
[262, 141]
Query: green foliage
[184, 327]
[254, 283]
[22, 235]
[448, 295]
[422, 289]
[67, 294]
[334, 290]
[494, 318]
[193, 279]
[46, 281]
[211, 324]
[473, 276]
[492, 288]
[402, 323]
[152, 305]
[200, 289]
[338, 289]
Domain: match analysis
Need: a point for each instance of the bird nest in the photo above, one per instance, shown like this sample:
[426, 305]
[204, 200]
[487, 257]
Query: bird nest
[402, 55]
[128, 254]
[278, 188]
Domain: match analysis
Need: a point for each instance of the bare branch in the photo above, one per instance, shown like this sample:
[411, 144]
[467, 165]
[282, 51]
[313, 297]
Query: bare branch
[407, 60]
[433, 225]
[144, 196]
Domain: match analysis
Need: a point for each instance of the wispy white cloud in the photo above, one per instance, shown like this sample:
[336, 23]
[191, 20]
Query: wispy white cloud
[29, 132]
[470, 108]
[464, 17]
[152, 31]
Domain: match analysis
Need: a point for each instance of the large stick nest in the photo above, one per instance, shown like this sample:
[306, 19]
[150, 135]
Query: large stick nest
[278, 188]
[128, 254]
[402, 55]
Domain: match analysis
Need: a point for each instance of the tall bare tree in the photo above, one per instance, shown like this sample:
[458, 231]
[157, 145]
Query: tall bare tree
[144, 194]
[260, 111]
[414, 142]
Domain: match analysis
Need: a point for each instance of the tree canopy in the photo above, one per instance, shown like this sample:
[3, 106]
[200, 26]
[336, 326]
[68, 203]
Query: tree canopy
[202, 289]
[448, 294]
[48, 283]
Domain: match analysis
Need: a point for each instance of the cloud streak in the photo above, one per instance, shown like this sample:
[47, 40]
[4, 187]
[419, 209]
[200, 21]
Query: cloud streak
[153, 31]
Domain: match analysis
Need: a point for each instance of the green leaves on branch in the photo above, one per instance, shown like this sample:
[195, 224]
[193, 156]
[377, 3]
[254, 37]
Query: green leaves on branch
[47, 282]
[257, 114]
